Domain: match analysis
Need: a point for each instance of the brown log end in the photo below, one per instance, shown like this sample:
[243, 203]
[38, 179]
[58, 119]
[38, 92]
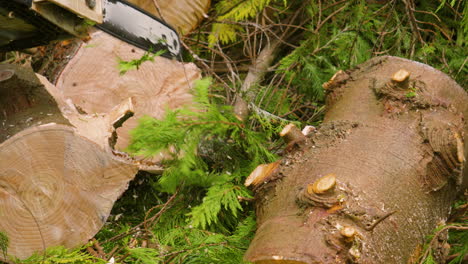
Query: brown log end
[56, 188]
[153, 88]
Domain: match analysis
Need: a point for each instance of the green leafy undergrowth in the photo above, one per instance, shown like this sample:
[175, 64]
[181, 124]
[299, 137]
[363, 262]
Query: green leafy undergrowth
[353, 34]
[457, 243]
[61, 255]
[229, 12]
[4, 241]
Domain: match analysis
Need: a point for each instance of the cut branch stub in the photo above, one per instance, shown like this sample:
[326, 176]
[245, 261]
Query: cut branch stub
[348, 232]
[261, 174]
[323, 184]
[291, 133]
[401, 77]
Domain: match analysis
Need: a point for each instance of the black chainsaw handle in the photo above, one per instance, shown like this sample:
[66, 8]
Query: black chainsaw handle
[27, 3]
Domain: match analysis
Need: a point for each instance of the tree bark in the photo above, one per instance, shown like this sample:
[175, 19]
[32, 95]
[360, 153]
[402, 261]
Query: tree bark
[58, 176]
[396, 156]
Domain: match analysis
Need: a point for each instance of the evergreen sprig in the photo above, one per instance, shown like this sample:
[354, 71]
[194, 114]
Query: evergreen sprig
[194, 137]
[234, 11]
[62, 255]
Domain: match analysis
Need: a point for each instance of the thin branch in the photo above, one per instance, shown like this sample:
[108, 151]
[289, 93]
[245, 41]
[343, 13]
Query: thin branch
[265, 114]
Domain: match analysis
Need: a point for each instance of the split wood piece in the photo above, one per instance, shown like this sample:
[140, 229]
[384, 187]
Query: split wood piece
[57, 187]
[292, 133]
[261, 173]
[98, 87]
[398, 174]
[183, 15]
[99, 128]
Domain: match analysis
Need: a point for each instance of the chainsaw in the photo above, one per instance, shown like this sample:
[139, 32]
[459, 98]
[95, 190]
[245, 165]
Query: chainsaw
[29, 23]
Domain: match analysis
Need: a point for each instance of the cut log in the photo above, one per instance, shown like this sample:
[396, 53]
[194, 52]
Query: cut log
[58, 180]
[98, 87]
[182, 15]
[396, 155]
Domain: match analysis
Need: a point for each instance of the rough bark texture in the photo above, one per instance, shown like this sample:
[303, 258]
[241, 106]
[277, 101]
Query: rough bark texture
[58, 177]
[398, 157]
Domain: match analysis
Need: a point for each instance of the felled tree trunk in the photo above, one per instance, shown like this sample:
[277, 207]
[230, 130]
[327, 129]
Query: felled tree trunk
[377, 177]
[58, 176]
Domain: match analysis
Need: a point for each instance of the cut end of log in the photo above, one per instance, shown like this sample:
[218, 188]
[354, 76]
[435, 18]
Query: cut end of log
[151, 90]
[261, 173]
[400, 76]
[56, 188]
[323, 184]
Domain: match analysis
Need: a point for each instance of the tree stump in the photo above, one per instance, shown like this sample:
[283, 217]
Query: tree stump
[378, 176]
[58, 182]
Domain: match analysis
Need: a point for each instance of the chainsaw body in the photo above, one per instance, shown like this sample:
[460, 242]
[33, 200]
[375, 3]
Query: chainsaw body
[30, 23]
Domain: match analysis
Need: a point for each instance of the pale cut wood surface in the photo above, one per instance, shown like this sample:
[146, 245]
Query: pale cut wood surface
[92, 82]
[58, 175]
[56, 188]
[182, 15]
